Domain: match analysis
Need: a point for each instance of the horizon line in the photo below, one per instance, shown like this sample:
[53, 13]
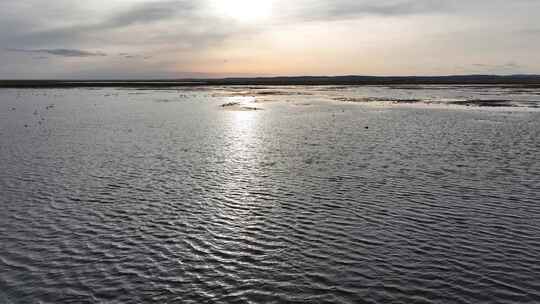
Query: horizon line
[264, 77]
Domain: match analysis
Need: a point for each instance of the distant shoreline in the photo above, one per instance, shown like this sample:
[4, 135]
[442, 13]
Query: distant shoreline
[523, 80]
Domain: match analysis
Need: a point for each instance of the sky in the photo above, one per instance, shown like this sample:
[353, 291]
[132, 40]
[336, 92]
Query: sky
[123, 39]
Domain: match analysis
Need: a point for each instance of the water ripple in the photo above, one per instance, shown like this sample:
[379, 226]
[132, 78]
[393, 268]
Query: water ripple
[142, 202]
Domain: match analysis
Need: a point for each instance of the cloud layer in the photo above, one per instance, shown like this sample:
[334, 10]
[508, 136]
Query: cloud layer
[182, 37]
[62, 52]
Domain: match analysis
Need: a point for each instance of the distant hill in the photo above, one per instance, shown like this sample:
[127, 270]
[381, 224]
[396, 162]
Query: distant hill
[391, 80]
[527, 80]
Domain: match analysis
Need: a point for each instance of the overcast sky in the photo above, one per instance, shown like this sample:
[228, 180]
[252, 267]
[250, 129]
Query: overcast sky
[215, 38]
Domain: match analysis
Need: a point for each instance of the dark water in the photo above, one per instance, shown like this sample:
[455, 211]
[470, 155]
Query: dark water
[124, 196]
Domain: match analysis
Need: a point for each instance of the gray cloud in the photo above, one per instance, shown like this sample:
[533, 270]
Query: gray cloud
[509, 65]
[62, 52]
[532, 32]
[326, 10]
[180, 22]
[145, 13]
[346, 9]
[130, 56]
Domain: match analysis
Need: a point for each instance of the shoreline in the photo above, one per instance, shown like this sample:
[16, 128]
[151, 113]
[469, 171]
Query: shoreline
[528, 81]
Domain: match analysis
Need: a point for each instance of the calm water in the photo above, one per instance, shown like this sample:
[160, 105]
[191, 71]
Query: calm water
[325, 195]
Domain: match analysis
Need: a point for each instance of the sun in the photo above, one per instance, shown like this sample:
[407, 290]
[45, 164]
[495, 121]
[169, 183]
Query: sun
[243, 10]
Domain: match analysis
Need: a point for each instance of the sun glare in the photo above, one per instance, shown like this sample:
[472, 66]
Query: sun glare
[244, 10]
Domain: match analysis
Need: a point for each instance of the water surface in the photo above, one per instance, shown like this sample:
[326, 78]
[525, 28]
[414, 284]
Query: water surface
[321, 195]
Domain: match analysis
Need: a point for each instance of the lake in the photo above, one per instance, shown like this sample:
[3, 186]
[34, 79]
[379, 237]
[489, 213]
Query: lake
[315, 194]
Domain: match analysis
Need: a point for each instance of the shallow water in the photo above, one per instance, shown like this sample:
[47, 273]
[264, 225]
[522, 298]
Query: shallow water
[138, 196]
